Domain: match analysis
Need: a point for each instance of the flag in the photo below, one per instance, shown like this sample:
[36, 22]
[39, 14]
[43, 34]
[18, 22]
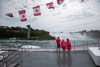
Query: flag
[9, 14]
[82, 0]
[22, 16]
[59, 2]
[50, 5]
[36, 11]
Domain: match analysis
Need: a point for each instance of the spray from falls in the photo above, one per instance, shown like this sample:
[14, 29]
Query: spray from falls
[71, 36]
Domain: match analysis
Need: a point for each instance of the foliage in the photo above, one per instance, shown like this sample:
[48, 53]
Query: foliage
[21, 33]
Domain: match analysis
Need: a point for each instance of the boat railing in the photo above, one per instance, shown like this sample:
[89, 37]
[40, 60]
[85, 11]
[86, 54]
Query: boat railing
[98, 44]
[75, 45]
[11, 57]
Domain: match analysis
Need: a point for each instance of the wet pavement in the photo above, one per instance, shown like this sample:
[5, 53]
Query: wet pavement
[53, 59]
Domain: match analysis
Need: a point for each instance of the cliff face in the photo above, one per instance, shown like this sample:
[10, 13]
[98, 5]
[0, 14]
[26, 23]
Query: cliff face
[93, 34]
[18, 32]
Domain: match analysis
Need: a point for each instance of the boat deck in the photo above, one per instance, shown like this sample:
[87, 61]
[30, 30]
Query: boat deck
[37, 57]
[55, 59]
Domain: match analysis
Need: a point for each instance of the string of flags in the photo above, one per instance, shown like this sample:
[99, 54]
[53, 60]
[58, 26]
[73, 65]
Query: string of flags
[59, 2]
[36, 10]
[9, 14]
[50, 5]
[22, 15]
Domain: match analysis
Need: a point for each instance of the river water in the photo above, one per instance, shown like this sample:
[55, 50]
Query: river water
[42, 43]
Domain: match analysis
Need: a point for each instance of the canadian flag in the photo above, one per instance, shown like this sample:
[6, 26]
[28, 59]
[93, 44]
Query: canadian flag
[50, 5]
[59, 2]
[36, 11]
[9, 14]
[22, 16]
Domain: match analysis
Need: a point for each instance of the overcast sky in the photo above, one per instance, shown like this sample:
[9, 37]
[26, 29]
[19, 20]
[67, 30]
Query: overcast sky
[70, 16]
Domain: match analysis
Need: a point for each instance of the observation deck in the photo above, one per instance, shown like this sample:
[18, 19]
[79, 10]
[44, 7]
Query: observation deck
[47, 57]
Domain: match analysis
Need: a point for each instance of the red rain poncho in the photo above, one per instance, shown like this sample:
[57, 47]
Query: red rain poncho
[64, 46]
[58, 43]
[68, 43]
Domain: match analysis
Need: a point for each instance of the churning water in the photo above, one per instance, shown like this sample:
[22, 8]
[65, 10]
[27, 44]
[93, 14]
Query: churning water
[41, 43]
[75, 38]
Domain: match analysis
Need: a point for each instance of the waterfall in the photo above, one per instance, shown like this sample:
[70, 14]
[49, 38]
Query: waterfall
[71, 36]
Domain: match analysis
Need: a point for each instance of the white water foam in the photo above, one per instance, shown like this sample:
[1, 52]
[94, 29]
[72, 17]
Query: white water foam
[30, 46]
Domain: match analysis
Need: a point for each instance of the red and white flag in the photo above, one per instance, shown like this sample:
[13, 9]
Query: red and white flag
[22, 16]
[9, 14]
[36, 11]
[50, 5]
[59, 2]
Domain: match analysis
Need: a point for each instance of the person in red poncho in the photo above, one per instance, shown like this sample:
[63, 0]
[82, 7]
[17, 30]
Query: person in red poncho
[68, 43]
[58, 43]
[63, 46]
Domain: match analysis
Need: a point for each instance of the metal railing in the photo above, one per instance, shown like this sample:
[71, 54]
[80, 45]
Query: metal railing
[10, 57]
[98, 44]
[75, 46]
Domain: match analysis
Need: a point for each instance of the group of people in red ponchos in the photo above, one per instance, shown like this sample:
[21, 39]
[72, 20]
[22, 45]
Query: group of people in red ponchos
[64, 45]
